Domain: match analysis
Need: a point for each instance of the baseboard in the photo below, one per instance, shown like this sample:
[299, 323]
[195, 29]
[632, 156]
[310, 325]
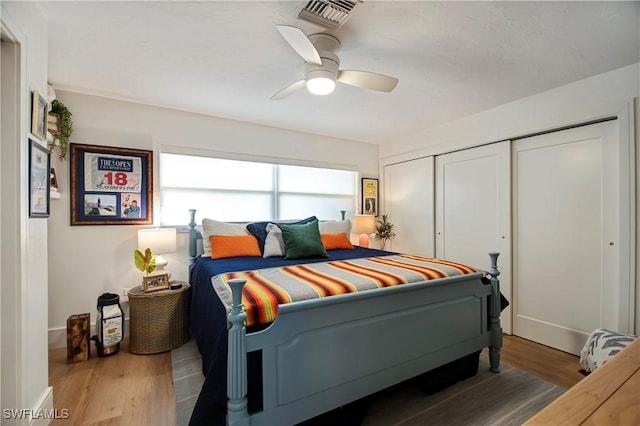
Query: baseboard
[58, 335]
[42, 413]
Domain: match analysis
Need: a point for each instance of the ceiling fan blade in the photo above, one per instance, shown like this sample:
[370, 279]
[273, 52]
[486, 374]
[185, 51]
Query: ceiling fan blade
[288, 90]
[300, 43]
[368, 80]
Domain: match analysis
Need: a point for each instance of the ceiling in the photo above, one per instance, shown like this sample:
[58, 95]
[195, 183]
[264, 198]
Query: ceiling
[226, 58]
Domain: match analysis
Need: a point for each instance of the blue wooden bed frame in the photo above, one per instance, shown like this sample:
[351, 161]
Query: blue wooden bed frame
[324, 353]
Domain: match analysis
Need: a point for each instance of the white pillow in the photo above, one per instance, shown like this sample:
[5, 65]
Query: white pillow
[214, 227]
[274, 243]
[335, 227]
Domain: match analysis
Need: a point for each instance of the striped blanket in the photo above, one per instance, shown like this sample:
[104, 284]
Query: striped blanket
[267, 288]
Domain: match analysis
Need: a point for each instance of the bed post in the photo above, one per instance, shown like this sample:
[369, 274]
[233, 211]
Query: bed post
[237, 413]
[193, 239]
[494, 315]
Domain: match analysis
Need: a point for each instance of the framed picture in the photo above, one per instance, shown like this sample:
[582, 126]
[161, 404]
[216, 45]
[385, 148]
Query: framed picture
[155, 282]
[111, 186]
[39, 115]
[39, 179]
[369, 196]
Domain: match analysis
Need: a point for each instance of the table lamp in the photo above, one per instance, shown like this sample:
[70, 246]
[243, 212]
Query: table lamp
[364, 224]
[160, 241]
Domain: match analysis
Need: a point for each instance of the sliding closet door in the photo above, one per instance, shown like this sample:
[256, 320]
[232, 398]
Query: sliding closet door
[473, 210]
[567, 235]
[408, 199]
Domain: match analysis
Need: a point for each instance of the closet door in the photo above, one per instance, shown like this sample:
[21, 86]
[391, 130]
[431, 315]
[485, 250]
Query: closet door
[473, 210]
[408, 200]
[567, 235]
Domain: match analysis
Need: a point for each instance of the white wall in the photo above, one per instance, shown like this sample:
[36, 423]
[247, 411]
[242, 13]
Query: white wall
[576, 102]
[85, 261]
[24, 240]
[614, 93]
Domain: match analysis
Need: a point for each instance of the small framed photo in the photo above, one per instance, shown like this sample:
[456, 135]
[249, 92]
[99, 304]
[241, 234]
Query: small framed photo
[370, 196]
[39, 115]
[39, 180]
[155, 282]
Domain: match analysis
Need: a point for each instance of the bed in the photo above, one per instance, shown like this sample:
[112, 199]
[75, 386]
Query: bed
[314, 355]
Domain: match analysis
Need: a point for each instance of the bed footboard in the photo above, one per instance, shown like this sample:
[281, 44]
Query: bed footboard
[336, 346]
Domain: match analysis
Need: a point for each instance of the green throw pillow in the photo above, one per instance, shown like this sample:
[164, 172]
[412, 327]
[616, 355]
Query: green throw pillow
[302, 241]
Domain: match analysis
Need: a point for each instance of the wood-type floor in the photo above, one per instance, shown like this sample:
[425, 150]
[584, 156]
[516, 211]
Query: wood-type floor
[128, 389]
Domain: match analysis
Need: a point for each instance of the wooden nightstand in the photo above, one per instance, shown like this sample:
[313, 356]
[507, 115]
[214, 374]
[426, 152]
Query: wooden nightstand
[158, 320]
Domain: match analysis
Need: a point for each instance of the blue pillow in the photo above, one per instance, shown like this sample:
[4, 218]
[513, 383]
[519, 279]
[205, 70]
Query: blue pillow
[259, 229]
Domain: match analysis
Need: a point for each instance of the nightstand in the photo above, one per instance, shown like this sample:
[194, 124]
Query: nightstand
[158, 320]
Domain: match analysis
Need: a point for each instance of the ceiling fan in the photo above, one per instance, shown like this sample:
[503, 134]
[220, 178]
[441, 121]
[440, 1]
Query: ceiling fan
[319, 52]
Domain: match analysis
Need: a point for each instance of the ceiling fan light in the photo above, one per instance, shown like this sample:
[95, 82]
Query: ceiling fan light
[321, 85]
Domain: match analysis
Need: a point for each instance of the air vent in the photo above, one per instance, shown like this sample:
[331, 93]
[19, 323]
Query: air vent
[331, 14]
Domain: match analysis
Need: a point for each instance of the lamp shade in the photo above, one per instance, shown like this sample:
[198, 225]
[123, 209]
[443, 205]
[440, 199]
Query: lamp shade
[320, 82]
[364, 224]
[159, 240]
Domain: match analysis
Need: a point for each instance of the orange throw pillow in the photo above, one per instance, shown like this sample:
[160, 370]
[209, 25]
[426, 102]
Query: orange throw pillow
[233, 246]
[335, 241]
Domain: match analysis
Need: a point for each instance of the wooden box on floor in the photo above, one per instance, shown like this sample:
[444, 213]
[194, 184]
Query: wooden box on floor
[78, 330]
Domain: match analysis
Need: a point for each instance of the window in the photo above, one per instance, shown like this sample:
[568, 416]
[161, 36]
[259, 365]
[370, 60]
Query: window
[243, 191]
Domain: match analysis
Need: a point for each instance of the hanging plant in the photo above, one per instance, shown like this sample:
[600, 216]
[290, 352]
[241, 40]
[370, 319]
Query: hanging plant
[61, 138]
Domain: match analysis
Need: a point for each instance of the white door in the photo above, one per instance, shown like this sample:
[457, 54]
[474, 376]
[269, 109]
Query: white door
[567, 236]
[408, 200]
[473, 210]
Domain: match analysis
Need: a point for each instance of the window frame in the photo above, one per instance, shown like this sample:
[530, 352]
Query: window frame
[274, 161]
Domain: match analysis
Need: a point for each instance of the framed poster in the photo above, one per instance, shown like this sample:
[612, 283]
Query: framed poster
[111, 186]
[39, 114]
[369, 196]
[39, 180]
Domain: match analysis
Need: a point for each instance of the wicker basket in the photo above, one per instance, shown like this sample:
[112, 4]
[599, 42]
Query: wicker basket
[159, 320]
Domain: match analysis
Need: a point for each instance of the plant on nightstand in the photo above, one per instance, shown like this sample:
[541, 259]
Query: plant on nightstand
[384, 230]
[144, 262]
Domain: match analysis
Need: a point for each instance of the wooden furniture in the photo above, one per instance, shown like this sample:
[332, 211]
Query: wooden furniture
[608, 396]
[159, 320]
[78, 331]
[320, 354]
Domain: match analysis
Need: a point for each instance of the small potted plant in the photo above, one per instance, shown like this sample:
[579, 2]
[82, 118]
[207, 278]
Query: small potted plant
[384, 230]
[144, 262]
